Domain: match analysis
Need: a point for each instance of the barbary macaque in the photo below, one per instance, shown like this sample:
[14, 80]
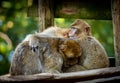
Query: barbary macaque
[71, 50]
[94, 55]
[37, 53]
[44, 58]
[55, 32]
[24, 61]
[79, 29]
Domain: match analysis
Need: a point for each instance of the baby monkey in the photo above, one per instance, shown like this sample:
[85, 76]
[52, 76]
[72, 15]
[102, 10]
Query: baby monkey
[71, 51]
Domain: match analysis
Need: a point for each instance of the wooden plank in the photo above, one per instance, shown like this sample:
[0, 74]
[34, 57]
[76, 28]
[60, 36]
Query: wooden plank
[116, 27]
[45, 12]
[84, 9]
[98, 75]
[43, 9]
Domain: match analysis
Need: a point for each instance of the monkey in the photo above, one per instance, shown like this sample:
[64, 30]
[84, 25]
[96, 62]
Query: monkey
[48, 58]
[52, 31]
[35, 55]
[71, 50]
[44, 58]
[24, 61]
[53, 60]
[80, 29]
[94, 55]
[55, 32]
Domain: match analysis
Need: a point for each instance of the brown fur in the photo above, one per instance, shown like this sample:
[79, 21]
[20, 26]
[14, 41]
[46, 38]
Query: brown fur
[37, 54]
[94, 55]
[55, 32]
[71, 50]
[24, 61]
[42, 58]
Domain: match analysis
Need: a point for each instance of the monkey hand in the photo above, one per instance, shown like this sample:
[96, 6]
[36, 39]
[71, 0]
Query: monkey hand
[33, 42]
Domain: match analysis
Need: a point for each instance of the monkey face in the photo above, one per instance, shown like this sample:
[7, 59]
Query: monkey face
[71, 51]
[74, 32]
[79, 28]
[65, 33]
[70, 48]
[62, 33]
[66, 50]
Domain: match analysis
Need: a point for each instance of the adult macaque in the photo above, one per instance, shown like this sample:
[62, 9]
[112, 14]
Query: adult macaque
[44, 58]
[80, 29]
[24, 61]
[94, 55]
[54, 32]
[38, 53]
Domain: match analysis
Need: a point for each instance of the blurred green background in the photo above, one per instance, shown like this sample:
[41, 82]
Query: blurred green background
[15, 25]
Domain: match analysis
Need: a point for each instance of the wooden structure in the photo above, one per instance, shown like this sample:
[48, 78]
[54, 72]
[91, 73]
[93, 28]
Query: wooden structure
[106, 75]
[47, 10]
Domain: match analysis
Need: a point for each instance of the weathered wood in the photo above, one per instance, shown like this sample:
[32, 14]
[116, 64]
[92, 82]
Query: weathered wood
[84, 9]
[44, 10]
[87, 9]
[45, 13]
[116, 27]
[97, 75]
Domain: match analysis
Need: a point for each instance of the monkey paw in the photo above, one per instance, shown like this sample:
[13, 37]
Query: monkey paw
[34, 44]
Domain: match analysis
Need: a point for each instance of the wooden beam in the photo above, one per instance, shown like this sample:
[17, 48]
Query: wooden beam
[116, 27]
[45, 13]
[85, 9]
[44, 10]
[96, 75]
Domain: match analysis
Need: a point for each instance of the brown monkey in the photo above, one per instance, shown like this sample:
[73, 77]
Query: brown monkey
[42, 58]
[71, 50]
[79, 29]
[24, 61]
[35, 55]
[54, 32]
[94, 55]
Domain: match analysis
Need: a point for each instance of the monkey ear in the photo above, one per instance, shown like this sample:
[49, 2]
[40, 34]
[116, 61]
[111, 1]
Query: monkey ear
[87, 30]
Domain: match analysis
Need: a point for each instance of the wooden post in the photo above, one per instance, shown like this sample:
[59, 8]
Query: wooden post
[45, 13]
[116, 25]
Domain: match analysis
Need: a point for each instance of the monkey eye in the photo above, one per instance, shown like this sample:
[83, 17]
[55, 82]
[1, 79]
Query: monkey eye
[78, 31]
[73, 27]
